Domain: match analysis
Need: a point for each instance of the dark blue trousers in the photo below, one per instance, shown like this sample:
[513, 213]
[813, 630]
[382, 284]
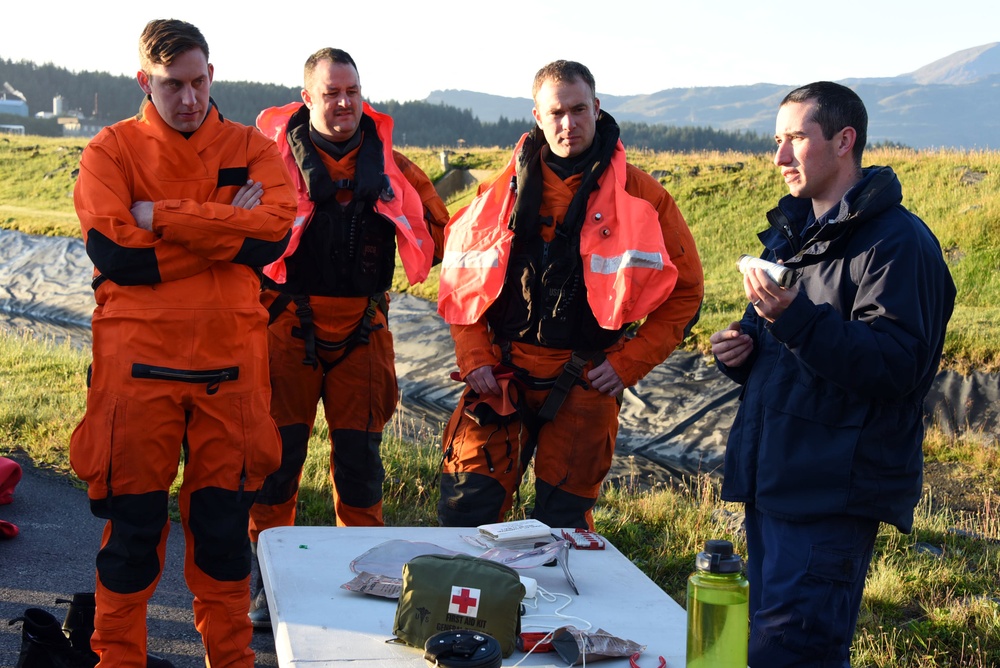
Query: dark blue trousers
[806, 581]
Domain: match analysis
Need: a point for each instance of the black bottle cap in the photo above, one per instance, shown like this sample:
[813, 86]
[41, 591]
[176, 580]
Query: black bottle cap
[718, 557]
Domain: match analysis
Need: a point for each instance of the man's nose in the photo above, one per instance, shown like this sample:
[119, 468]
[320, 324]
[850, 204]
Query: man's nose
[188, 96]
[782, 154]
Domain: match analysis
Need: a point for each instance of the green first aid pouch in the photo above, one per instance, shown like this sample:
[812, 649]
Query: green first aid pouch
[458, 592]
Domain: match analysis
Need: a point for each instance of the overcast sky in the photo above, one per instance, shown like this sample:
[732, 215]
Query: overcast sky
[406, 49]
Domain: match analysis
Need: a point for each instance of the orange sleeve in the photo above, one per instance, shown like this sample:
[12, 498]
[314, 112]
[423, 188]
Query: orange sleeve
[188, 234]
[474, 347]
[217, 230]
[668, 324]
[435, 212]
[119, 249]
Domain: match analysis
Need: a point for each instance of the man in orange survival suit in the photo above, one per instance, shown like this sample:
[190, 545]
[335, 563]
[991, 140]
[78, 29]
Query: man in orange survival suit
[541, 276]
[178, 207]
[328, 339]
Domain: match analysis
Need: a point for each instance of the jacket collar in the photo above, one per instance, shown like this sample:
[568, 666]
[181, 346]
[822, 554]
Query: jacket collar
[879, 189]
[149, 114]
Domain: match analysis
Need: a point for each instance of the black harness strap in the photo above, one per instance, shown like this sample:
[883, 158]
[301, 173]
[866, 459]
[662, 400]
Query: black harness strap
[564, 382]
[307, 332]
[279, 304]
[360, 336]
[304, 312]
[361, 333]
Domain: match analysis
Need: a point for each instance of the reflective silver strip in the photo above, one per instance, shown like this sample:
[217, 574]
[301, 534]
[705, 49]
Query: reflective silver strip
[405, 221]
[471, 259]
[635, 259]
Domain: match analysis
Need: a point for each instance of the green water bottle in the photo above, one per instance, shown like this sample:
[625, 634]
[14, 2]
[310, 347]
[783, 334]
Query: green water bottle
[718, 609]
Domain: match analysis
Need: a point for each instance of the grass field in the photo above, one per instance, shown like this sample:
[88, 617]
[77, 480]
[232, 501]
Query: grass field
[722, 195]
[932, 596]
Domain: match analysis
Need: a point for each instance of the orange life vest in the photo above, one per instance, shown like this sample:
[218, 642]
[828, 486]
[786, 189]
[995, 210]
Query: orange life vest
[626, 268]
[405, 210]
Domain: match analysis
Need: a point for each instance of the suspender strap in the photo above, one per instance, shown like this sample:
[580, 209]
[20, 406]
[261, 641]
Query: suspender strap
[307, 328]
[361, 333]
[305, 314]
[279, 304]
[564, 383]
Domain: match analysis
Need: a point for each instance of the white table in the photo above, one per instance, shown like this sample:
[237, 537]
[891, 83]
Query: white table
[318, 624]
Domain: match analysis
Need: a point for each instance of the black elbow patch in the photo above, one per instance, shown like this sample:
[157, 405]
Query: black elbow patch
[122, 265]
[257, 253]
[233, 176]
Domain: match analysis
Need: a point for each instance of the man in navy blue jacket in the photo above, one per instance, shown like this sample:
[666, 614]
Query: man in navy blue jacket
[827, 440]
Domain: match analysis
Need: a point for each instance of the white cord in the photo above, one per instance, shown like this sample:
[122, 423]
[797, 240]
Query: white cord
[552, 597]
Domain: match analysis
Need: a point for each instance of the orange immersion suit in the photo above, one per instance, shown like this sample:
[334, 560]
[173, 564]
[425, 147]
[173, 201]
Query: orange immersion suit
[336, 322]
[179, 368]
[545, 301]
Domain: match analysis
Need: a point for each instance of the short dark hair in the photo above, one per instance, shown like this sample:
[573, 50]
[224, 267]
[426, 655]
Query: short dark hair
[837, 107]
[563, 70]
[327, 53]
[162, 40]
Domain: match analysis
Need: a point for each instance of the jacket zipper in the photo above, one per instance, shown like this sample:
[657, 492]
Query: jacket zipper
[778, 220]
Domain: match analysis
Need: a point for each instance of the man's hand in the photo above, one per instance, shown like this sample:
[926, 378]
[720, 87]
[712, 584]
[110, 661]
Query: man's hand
[768, 298]
[731, 346]
[249, 195]
[143, 214]
[605, 379]
[482, 381]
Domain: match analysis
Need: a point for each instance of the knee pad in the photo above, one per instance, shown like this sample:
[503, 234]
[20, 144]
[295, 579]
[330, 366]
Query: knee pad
[129, 562]
[218, 521]
[283, 484]
[559, 508]
[358, 472]
[469, 499]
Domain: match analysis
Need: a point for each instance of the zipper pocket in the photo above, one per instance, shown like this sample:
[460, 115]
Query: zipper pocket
[212, 378]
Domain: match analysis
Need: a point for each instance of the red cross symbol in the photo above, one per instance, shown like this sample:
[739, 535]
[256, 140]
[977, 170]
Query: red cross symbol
[464, 600]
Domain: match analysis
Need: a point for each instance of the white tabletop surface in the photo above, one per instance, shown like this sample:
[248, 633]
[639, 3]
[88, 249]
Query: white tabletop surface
[318, 624]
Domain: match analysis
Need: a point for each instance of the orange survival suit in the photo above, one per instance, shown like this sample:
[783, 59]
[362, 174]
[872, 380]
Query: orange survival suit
[329, 336]
[179, 368]
[542, 274]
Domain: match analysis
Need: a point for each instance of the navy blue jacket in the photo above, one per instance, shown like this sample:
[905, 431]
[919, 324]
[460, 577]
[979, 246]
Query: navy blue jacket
[831, 414]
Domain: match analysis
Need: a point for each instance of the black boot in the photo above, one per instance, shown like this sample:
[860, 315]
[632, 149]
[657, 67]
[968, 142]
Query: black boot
[79, 627]
[44, 645]
[79, 623]
[260, 614]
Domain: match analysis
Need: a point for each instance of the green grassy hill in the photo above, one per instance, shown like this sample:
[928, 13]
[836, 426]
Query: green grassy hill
[931, 596]
[723, 196]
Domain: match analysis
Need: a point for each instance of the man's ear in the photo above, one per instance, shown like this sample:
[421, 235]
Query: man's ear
[597, 107]
[306, 98]
[847, 138]
[144, 84]
[537, 116]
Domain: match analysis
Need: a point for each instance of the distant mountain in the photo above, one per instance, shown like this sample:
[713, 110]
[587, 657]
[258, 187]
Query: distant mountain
[953, 102]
